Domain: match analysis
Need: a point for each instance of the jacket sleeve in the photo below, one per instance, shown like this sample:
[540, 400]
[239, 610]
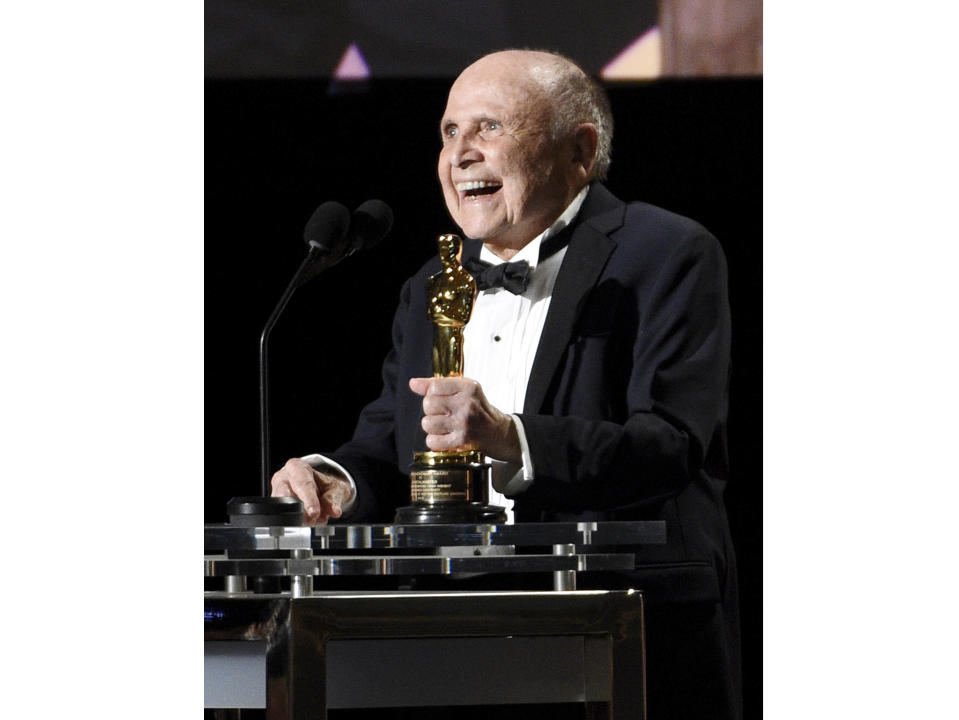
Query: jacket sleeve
[371, 455]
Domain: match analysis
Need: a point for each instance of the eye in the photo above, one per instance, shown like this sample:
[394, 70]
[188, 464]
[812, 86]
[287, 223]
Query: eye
[450, 131]
[491, 125]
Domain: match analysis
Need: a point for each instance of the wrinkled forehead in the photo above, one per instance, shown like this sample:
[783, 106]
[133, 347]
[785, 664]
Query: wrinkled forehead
[498, 89]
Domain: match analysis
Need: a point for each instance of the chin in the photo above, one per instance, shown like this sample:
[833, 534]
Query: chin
[477, 231]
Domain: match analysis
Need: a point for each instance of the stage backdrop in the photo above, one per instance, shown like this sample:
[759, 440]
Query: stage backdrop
[612, 39]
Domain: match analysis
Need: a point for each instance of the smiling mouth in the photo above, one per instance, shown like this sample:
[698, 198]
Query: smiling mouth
[477, 188]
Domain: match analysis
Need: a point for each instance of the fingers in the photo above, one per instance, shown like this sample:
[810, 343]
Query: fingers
[334, 492]
[444, 385]
[446, 433]
[446, 404]
[457, 416]
[295, 479]
[455, 412]
[439, 404]
[420, 385]
[322, 494]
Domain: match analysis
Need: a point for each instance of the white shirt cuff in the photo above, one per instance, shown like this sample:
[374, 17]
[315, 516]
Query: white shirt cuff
[508, 478]
[326, 465]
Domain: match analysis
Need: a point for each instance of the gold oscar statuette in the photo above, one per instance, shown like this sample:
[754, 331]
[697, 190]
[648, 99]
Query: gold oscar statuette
[450, 486]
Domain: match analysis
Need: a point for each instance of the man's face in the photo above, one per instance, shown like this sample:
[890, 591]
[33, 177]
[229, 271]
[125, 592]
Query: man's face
[504, 180]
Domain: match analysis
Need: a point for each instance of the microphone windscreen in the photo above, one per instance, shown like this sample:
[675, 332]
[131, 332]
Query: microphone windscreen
[371, 222]
[327, 227]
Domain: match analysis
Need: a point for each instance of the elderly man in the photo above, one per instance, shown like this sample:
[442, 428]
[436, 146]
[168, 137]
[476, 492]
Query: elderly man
[599, 388]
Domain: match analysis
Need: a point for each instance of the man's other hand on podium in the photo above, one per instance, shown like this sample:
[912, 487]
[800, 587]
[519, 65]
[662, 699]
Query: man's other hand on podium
[323, 494]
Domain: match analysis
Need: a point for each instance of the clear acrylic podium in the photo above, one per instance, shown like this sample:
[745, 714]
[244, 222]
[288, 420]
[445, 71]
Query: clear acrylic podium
[307, 649]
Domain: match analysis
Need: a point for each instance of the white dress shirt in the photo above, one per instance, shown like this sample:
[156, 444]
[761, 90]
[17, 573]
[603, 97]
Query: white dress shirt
[500, 341]
[499, 344]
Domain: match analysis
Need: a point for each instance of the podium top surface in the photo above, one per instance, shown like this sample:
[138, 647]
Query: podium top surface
[363, 536]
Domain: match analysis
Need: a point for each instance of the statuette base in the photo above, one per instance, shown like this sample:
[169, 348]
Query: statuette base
[449, 487]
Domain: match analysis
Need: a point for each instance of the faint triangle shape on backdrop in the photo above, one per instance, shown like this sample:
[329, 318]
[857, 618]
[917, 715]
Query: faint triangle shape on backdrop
[640, 59]
[352, 65]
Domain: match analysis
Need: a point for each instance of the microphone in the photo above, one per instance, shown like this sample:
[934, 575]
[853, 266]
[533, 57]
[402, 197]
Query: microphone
[331, 235]
[326, 235]
[327, 227]
[371, 223]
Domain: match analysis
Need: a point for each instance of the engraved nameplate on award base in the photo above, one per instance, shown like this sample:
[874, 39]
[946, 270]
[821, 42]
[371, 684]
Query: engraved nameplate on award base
[450, 486]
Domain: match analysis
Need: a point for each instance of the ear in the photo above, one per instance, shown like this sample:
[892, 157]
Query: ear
[585, 147]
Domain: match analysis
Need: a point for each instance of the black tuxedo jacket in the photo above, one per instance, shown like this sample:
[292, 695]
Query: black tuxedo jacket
[625, 412]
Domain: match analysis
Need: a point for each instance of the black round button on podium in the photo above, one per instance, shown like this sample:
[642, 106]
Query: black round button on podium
[263, 511]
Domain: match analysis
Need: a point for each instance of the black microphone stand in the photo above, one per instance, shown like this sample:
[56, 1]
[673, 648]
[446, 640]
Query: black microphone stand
[329, 240]
[311, 257]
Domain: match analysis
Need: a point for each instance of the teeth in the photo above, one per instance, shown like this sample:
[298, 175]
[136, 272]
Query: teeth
[475, 185]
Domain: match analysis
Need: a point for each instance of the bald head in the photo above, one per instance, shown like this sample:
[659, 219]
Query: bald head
[574, 98]
[521, 138]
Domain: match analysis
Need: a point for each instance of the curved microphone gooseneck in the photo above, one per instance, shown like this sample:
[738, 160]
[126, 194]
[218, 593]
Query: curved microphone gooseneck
[326, 235]
[331, 235]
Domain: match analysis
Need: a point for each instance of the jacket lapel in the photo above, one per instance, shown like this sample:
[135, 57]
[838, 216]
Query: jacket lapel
[471, 249]
[589, 249]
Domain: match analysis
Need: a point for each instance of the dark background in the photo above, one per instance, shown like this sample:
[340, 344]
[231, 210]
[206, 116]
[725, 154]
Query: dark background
[277, 148]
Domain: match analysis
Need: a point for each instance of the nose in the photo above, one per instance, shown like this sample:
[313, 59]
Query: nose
[464, 150]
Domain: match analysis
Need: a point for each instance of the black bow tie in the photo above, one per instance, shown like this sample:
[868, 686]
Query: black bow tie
[512, 276]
